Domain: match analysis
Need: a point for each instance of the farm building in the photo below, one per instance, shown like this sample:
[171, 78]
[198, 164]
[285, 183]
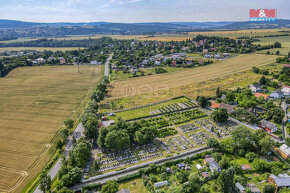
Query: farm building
[280, 181]
[268, 126]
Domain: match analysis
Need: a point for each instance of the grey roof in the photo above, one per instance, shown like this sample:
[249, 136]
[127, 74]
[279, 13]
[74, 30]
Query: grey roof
[283, 180]
[160, 184]
[123, 191]
[240, 187]
[279, 92]
[268, 124]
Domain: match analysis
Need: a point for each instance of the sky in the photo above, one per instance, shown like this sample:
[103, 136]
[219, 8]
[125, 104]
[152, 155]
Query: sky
[130, 11]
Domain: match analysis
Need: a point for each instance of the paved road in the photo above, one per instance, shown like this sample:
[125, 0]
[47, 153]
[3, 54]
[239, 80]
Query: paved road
[134, 169]
[107, 70]
[78, 132]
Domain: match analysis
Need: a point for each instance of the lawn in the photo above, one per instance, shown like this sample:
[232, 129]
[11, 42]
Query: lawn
[34, 102]
[166, 81]
[40, 49]
[135, 186]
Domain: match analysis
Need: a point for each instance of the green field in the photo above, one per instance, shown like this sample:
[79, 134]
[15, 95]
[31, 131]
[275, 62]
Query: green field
[284, 40]
[119, 75]
[145, 111]
[34, 102]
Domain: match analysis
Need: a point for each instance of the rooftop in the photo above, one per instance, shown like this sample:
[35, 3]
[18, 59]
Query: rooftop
[282, 180]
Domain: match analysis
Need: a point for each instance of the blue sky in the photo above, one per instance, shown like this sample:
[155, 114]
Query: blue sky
[136, 10]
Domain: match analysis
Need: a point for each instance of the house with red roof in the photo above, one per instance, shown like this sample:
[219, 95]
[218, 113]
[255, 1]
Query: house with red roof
[257, 95]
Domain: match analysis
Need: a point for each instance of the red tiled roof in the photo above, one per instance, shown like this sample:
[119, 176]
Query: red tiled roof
[260, 94]
[214, 105]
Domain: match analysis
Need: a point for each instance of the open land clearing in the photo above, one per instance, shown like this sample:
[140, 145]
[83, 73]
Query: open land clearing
[40, 49]
[34, 102]
[155, 83]
[284, 40]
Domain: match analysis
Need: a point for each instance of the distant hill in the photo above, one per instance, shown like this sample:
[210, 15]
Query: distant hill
[34, 29]
[280, 23]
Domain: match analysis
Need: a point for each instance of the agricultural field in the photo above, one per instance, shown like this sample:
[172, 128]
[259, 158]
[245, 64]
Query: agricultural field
[229, 34]
[34, 102]
[156, 83]
[284, 40]
[119, 75]
[40, 49]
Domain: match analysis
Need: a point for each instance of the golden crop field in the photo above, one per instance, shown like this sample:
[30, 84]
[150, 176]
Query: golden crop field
[34, 102]
[40, 49]
[224, 33]
[155, 83]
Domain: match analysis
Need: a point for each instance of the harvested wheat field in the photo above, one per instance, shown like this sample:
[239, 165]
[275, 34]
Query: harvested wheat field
[154, 83]
[34, 102]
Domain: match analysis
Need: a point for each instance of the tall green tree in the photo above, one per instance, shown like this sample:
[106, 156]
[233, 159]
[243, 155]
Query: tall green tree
[45, 182]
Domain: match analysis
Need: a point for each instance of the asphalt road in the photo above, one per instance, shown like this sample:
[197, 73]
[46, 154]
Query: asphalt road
[107, 65]
[78, 132]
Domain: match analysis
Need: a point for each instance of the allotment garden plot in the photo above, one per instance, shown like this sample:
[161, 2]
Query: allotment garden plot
[179, 130]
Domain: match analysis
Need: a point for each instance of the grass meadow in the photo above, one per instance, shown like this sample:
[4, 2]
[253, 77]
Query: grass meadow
[34, 102]
[228, 74]
[284, 40]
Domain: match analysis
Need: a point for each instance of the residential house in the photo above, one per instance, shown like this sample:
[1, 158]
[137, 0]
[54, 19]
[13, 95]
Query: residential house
[246, 167]
[217, 56]
[157, 63]
[276, 94]
[198, 166]
[204, 174]
[253, 188]
[160, 184]
[213, 49]
[284, 151]
[287, 65]
[268, 126]
[205, 50]
[280, 181]
[94, 62]
[255, 88]
[145, 62]
[240, 188]
[257, 95]
[124, 191]
[168, 170]
[229, 108]
[286, 90]
[213, 165]
[214, 105]
[207, 56]
[185, 48]
[62, 60]
[173, 63]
